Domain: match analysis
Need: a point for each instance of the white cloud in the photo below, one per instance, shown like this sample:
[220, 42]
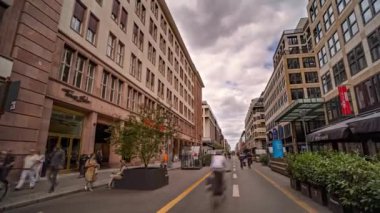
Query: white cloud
[231, 43]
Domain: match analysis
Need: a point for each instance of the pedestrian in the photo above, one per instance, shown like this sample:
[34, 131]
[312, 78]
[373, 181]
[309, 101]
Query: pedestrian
[99, 156]
[249, 158]
[82, 162]
[28, 171]
[91, 171]
[242, 159]
[164, 161]
[57, 161]
[119, 174]
[8, 161]
[38, 166]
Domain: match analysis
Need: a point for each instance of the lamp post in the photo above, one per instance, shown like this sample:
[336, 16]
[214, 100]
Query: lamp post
[303, 114]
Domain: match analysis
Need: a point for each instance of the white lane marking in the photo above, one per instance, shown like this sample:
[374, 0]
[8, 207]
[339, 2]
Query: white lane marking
[235, 190]
[234, 169]
[234, 176]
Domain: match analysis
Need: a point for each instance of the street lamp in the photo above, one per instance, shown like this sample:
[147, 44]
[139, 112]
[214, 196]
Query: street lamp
[303, 114]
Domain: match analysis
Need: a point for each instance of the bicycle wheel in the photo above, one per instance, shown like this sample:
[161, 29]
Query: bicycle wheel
[3, 189]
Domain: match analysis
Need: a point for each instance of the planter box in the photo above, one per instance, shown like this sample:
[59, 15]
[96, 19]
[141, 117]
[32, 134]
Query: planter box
[318, 194]
[334, 205]
[143, 179]
[305, 189]
[295, 184]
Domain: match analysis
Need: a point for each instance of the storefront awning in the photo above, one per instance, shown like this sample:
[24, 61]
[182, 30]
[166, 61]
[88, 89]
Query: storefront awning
[306, 109]
[366, 124]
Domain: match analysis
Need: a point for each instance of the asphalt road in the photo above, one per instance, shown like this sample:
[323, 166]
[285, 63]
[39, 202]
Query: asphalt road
[247, 191]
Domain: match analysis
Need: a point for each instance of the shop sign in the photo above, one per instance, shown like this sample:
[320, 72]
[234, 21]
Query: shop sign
[344, 101]
[275, 133]
[278, 151]
[78, 98]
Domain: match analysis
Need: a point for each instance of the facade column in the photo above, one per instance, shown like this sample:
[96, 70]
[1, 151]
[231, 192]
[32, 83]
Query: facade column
[294, 137]
[45, 124]
[88, 133]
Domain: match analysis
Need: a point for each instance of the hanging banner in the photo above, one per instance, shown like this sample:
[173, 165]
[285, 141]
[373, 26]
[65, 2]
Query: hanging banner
[344, 101]
[278, 151]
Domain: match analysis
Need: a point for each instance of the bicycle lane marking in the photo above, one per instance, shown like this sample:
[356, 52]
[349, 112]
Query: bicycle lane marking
[235, 191]
[180, 197]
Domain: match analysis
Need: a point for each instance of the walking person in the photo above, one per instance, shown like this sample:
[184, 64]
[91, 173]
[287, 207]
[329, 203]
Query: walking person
[249, 158]
[99, 156]
[28, 172]
[57, 161]
[242, 159]
[91, 170]
[38, 167]
[82, 162]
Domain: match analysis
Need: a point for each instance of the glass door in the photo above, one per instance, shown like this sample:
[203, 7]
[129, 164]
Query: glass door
[65, 146]
[74, 153]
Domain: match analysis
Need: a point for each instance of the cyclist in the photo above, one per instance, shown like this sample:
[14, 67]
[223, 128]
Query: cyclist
[218, 167]
[6, 165]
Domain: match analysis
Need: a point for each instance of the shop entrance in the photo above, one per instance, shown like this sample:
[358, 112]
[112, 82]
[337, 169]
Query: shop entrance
[102, 145]
[71, 146]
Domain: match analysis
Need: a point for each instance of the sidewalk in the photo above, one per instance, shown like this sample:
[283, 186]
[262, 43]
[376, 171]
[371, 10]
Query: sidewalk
[67, 184]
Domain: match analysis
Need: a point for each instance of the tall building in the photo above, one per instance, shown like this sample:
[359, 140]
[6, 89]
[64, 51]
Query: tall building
[255, 131]
[346, 38]
[212, 133]
[84, 64]
[292, 96]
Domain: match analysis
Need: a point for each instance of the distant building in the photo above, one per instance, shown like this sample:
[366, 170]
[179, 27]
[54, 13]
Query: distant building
[212, 133]
[255, 131]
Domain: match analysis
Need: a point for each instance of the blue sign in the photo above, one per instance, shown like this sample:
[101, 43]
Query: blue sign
[278, 151]
[275, 135]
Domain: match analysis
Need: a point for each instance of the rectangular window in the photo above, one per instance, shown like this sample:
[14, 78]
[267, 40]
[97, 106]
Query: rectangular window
[150, 79]
[318, 33]
[163, 24]
[334, 45]
[124, 20]
[367, 93]
[66, 62]
[90, 77]
[313, 12]
[104, 85]
[297, 94]
[374, 44]
[78, 17]
[293, 63]
[328, 18]
[120, 54]
[119, 92]
[314, 92]
[162, 44]
[369, 9]
[170, 76]
[309, 62]
[135, 34]
[133, 68]
[92, 29]
[292, 40]
[141, 41]
[113, 89]
[171, 37]
[326, 82]
[154, 8]
[295, 78]
[322, 57]
[311, 77]
[350, 27]
[341, 4]
[356, 59]
[111, 46]
[322, 2]
[115, 10]
[339, 72]
[78, 72]
[139, 70]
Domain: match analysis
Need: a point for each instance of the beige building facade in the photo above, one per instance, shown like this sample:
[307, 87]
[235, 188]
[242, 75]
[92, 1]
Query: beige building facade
[212, 133]
[255, 131]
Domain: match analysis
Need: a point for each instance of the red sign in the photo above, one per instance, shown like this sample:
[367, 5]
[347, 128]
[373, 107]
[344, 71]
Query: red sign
[344, 101]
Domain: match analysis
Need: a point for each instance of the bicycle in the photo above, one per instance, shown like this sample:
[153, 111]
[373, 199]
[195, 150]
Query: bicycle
[216, 185]
[3, 189]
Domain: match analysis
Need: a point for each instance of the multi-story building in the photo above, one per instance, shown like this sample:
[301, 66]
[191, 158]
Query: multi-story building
[212, 133]
[84, 64]
[293, 89]
[346, 38]
[255, 131]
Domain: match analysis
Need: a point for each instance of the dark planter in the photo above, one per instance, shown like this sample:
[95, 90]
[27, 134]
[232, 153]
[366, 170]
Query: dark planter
[143, 179]
[295, 184]
[305, 189]
[318, 194]
[334, 205]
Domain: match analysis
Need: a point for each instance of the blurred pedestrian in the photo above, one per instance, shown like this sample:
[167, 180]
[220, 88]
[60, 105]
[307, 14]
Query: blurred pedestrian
[242, 159]
[82, 162]
[38, 166]
[119, 174]
[249, 159]
[28, 171]
[99, 156]
[164, 160]
[7, 163]
[91, 172]
[57, 161]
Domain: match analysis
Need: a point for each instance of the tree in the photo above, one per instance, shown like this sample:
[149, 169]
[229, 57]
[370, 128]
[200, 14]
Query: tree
[144, 134]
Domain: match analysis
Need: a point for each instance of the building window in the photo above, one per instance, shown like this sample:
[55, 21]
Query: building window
[322, 57]
[314, 92]
[293, 63]
[328, 18]
[78, 72]
[292, 40]
[339, 72]
[164, 24]
[100, 2]
[135, 35]
[369, 9]
[374, 44]
[150, 78]
[297, 94]
[161, 65]
[113, 88]
[313, 10]
[318, 33]
[171, 37]
[124, 20]
[154, 8]
[160, 90]
[66, 62]
[341, 4]
[311, 77]
[333, 109]
[309, 62]
[326, 82]
[322, 2]
[368, 93]
[104, 85]
[153, 29]
[170, 76]
[295, 78]
[356, 59]
[334, 45]
[350, 27]
[92, 28]
[133, 68]
[115, 10]
[119, 92]
[90, 77]
[120, 54]
[111, 46]
[78, 17]
[163, 44]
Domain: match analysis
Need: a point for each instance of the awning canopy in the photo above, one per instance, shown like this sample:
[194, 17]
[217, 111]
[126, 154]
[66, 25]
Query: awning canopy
[366, 124]
[307, 109]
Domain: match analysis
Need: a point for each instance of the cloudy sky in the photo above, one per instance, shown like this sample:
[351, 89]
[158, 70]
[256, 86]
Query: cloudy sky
[231, 43]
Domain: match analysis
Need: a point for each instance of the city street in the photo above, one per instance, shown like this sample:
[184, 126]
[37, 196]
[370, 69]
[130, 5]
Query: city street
[249, 190]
